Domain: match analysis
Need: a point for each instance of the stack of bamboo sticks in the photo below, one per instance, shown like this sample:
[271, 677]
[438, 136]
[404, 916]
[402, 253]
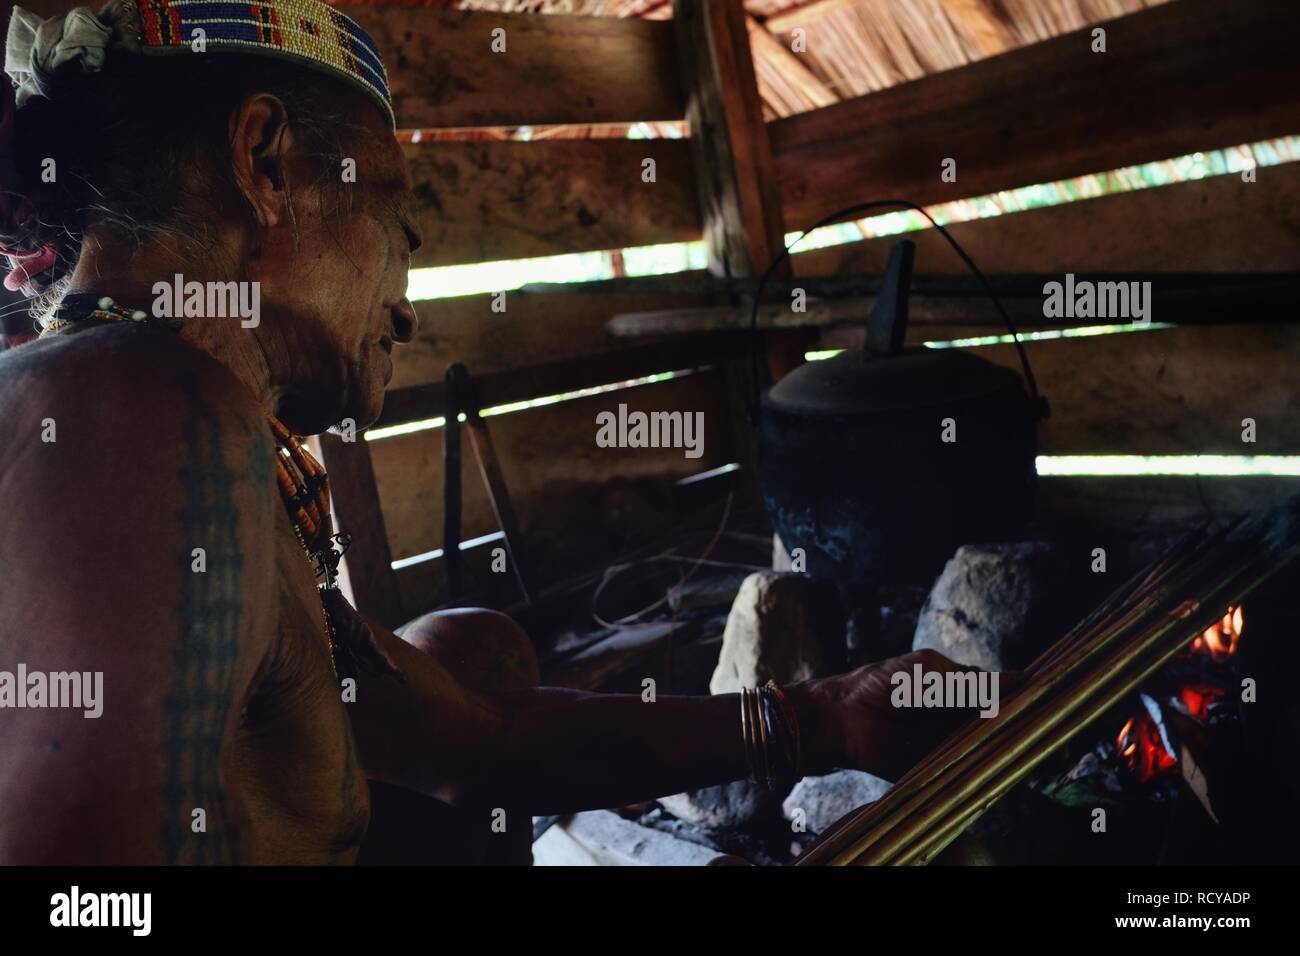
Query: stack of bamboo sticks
[1103, 659]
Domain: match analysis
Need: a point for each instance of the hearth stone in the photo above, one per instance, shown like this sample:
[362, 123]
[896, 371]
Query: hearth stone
[786, 627]
[603, 838]
[981, 608]
[736, 804]
[826, 799]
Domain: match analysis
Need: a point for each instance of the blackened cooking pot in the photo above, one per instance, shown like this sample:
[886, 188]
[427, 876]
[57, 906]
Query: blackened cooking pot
[880, 462]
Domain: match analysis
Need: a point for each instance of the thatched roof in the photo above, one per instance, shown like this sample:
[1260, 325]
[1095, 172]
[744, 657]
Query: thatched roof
[860, 46]
[852, 46]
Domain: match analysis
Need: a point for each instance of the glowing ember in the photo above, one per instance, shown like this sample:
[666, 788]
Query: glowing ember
[1141, 743]
[1143, 750]
[1220, 638]
[1198, 699]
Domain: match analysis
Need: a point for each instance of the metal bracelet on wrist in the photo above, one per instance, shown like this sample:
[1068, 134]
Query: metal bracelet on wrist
[769, 730]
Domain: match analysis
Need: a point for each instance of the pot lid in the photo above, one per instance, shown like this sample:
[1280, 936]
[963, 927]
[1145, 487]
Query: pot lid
[858, 382]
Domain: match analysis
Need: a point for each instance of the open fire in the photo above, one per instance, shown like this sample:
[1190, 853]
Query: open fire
[1142, 746]
[1220, 639]
[1143, 742]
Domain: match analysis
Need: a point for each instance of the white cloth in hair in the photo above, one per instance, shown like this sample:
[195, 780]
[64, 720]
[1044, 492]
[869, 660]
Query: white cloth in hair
[37, 50]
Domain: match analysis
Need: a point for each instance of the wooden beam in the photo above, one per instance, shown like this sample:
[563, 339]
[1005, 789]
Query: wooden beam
[485, 201]
[430, 400]
[1218, 224]
[554, 70]
[358, 512]
[1176, 298]
[524, 329]
[1182, 391]
[1124, 508]
[1196, 74]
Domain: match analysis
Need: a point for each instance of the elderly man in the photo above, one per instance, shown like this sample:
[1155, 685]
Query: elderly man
[166, 530]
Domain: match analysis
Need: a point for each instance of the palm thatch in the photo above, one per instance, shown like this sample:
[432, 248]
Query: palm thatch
[850, 47]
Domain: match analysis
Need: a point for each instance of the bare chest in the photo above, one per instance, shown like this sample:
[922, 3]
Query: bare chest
[306, 795]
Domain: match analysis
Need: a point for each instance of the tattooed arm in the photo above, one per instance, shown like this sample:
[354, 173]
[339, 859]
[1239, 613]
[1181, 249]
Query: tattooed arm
[126, 452]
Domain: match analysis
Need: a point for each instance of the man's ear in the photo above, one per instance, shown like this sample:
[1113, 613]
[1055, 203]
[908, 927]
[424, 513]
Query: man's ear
[261, 143]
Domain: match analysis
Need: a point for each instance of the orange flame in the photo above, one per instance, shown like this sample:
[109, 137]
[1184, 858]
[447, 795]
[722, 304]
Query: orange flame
[1143, 750]
[1130, 748]
[1139, 742]
[1219, 640]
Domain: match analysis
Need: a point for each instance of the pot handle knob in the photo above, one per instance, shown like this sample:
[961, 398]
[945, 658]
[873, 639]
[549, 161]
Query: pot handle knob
[887, 326]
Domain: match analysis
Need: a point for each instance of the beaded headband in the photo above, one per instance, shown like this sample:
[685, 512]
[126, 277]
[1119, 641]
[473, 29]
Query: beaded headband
[305, 30]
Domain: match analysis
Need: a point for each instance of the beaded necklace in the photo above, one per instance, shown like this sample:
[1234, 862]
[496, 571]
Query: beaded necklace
[304, 489]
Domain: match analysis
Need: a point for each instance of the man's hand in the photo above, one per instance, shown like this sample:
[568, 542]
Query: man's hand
[551, 750]
[851, 722]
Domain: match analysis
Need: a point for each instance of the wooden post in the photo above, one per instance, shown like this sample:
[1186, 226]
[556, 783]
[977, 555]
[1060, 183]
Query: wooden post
[451, 487]
[489, 466]
[735, 174]
[740, 203]
[463, 398]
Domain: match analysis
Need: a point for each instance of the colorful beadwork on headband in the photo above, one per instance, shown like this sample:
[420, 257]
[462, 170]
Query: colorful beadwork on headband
[300, 29]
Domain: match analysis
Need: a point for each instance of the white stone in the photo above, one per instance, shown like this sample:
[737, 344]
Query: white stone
[734, 804]
[979, 612]
[783, 627]
[826, 799]
[603, 838]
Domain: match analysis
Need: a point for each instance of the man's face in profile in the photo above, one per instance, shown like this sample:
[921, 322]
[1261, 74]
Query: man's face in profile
[341, 284]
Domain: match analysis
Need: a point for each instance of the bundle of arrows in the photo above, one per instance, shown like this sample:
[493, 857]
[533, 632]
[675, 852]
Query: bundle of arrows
[1104, 658]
